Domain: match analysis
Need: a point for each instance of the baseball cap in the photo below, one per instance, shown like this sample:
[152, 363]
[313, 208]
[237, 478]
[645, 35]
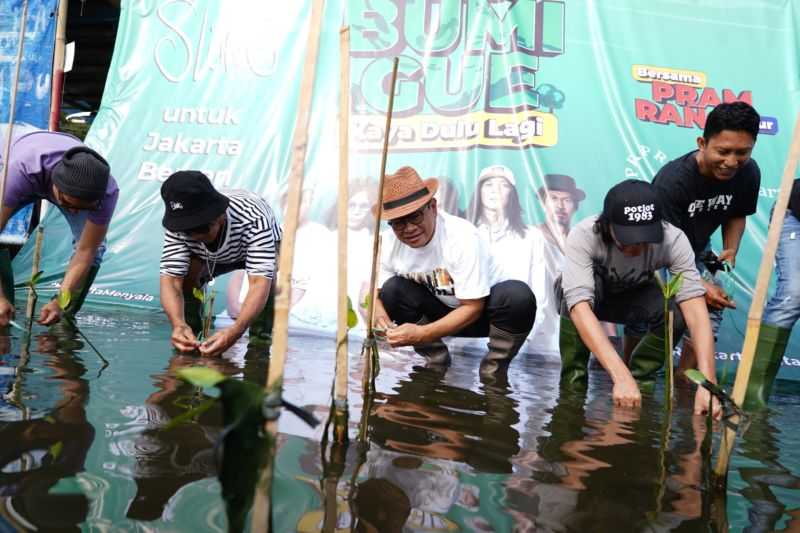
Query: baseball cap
[632, 209]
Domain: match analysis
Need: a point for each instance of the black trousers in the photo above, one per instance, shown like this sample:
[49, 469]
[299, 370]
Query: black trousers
[510, 306]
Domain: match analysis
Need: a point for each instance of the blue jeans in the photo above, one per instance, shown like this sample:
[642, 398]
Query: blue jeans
[76, 223]
[783, 309]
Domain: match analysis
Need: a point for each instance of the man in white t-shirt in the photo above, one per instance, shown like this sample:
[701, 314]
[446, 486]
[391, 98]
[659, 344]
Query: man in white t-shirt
[435, 280]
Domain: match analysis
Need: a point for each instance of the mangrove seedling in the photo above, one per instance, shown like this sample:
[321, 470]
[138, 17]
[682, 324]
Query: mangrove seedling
[207, 310]
[241, 449]
[64, 299]
[668, 291]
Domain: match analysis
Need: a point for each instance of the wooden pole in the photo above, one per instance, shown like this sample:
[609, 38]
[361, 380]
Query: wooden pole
[369, 351]
[37, 258]
[13, 103]
[377, 234]
[759, 297]
[340, 383]
[57, 85]
[280, 332]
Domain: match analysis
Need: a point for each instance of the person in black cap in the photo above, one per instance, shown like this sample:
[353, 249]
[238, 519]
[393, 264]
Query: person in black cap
[208, 234]
[59, 168]
[609, 274]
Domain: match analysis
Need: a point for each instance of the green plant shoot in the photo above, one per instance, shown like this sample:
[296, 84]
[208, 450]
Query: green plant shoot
[352, 317]
[365, 303]
[198, 294]
[64, 298]
[35, 279]
[200, 376]
[668, 291]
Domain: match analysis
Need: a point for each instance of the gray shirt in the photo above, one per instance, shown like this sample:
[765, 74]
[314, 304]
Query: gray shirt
[588, 256]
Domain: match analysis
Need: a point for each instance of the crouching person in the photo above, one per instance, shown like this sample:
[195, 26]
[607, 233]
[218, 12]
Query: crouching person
[609, 275]
[435, 280]
[209, 234]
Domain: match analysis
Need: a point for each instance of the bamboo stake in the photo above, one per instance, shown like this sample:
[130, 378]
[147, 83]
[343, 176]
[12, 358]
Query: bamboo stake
[37, 258]
[759, 297]
[369, 349]
[280, 333]
[340, 383]
[13, 104]
[57, 85]
[209, 314]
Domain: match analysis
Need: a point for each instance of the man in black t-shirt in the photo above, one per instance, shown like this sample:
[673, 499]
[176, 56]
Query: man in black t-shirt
[714, 186]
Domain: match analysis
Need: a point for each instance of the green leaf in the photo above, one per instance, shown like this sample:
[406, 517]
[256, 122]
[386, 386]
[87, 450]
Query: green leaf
[35, 278]
[674, 285]
[365, 303]
[198, 294]
[64, 298]
[695, 376]
[55, 450]
[200, 376]
[352, 317]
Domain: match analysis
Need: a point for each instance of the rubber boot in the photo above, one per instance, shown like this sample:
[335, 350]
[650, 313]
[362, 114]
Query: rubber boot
[647, 358]
[261, 327]
[193, 311]
[436, 352]
[770, 347]
[503, 346]
[7, 274]
[574, 354]
[79, 296]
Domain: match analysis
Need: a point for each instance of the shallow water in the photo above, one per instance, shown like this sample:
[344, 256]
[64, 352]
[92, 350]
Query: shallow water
[83, 447]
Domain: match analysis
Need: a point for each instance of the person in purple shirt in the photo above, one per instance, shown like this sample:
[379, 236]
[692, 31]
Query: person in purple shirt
[59, 168]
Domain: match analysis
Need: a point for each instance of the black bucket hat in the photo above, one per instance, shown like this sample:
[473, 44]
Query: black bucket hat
[632, 209]
[190, 200]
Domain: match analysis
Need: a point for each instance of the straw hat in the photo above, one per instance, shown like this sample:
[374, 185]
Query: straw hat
[404, 192]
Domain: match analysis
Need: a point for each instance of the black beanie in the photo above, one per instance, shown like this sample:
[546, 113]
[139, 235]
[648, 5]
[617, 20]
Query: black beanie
[82, 173]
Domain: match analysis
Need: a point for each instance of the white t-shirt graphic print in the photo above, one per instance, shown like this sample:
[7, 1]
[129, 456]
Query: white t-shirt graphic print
[453, 265]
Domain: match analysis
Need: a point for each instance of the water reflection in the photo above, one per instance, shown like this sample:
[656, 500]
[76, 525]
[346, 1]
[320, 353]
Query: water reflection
[37, 453]
[164, 461]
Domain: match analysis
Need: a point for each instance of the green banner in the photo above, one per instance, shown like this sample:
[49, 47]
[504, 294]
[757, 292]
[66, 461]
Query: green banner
[598, 91]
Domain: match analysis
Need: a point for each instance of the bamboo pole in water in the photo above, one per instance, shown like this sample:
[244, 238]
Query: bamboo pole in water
[261, 503]
[369, 343]
[340, 383]
[12, 108]
[37, 259]
[759, 297]
[58, 65]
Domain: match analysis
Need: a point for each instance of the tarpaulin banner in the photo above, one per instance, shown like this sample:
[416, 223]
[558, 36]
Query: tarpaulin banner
[32, 107]
[580, 92]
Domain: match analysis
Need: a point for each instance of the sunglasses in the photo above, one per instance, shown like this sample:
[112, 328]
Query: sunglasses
[414, 218]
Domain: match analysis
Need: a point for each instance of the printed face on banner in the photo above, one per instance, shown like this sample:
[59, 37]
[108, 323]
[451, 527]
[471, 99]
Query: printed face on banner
[560, 207]
[466, 77]
[495, 193]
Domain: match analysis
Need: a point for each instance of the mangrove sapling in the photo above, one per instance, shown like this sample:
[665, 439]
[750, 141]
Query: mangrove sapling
[668, 291]
[207, 307]
[64, 298]
[241, 449]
